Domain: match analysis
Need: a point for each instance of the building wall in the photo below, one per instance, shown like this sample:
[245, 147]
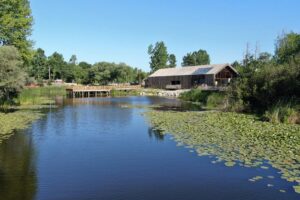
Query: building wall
[189, 81]
[186, 82]
[162, 82]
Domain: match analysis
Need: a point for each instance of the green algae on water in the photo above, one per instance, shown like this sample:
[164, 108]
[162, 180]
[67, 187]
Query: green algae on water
[9, 122]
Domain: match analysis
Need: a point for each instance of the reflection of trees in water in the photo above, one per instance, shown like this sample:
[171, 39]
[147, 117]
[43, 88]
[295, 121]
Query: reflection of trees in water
[157, 134]
[17, 168]
[172, 104]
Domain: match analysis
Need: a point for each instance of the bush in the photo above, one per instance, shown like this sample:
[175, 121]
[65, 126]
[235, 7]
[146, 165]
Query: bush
[195, 95]
[216, 100]
[211, 99]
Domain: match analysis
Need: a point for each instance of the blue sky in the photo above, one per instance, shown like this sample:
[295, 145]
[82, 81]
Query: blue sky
[122, 30]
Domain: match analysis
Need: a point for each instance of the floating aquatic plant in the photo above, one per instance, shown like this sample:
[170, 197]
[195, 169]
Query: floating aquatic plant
[235, 138]
[17, 120]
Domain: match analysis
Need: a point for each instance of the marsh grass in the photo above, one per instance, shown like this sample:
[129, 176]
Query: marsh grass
[40, 96]
[26, 109]
[120, 93]
[283, 112]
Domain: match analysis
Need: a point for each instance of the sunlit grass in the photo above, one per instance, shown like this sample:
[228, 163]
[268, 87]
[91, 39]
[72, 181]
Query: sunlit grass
[40, 96]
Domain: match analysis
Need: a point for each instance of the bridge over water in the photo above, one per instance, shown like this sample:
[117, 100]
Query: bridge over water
[97, 91]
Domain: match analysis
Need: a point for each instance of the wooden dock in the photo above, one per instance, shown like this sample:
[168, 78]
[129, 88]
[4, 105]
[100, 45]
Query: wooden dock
[97, 91]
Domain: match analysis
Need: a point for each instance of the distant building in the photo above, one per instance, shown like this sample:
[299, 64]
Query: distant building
[190, 77]
[58, 82]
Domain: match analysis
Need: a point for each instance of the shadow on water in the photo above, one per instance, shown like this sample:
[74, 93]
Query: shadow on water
[155, 133]
[17, 168]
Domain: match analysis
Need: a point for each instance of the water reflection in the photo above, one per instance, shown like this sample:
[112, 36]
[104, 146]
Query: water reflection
[17, 168]
[155, 133]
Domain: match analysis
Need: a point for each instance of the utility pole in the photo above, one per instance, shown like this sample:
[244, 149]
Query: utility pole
[49, 73]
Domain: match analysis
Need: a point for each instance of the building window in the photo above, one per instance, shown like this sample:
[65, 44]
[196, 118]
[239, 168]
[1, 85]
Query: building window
[175, 82]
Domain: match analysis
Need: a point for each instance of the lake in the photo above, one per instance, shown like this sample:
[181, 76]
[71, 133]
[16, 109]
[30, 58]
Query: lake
[103, 148]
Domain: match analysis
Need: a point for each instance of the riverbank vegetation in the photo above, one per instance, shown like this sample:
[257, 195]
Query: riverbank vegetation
[267, 85]
[235, 139]
[40, 95]
[17, 120]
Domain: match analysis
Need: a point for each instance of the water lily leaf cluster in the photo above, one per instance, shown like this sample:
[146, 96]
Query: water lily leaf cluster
[235, 139]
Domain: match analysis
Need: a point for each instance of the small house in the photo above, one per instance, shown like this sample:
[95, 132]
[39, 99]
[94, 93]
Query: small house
[190, 77]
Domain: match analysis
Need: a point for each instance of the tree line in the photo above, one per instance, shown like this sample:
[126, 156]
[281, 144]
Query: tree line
[20, 64]
[160, 58]
[55, 67]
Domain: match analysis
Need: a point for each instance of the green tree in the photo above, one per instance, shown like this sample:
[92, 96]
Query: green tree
[56, 64]
[189, 60]
[172, 60]
[200, 57]
[12, 77]
[264, 57]
[158, 56]
[288, 47]
[73, 60]
[85, 65]
[38, 65]
[15, 26]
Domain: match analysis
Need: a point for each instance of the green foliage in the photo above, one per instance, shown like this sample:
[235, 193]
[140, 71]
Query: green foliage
[12, 78]
[40, 95]
[200, 57]
[121, 93]
[234, 138]
[216, 100]
[288, 47]
[57, 66]
[195, 95]
[210, 99]
[158, 56]
[265, 81]
[103, 73]
[16, 23]
[73, 59]
[172, 60]
[38, 65]
[282, 112]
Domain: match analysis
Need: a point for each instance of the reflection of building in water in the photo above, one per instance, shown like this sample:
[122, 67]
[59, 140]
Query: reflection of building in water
[157, 134]
[17, 168]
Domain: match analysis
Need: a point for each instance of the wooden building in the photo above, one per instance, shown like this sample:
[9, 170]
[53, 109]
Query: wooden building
[190, 77]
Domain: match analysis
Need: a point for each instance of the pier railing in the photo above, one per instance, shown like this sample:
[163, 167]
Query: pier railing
[95, 91]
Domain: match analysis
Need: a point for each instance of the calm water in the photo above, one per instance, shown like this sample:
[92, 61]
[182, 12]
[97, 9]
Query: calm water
[99, 149]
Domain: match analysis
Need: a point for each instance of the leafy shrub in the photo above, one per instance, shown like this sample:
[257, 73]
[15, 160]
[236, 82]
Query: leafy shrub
[211, 99]
[216, 100]
[195, 95]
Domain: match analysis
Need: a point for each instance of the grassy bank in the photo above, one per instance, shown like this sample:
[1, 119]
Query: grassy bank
[279, 112]
[26, 110]
[235, 139]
